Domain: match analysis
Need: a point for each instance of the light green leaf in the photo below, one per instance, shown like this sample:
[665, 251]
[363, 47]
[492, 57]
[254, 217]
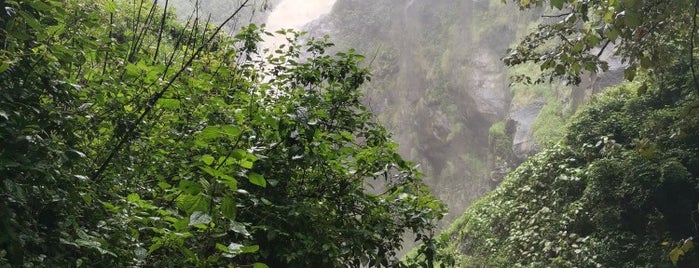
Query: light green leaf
[214, 132]
[207, 159]
[191, 203]
[4, 66]
[259, 265]
[257, 179]
[250, 249]
[246, 164]
[169, 104]
[222, 248]
[133, 198]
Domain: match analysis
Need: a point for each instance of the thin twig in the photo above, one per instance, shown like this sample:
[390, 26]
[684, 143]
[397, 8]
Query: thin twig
[160, 31]
[151, 103]
[556, 16]
[603, 48]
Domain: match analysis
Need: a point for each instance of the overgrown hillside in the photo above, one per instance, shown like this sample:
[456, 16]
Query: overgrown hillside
[621, 188]
[618, 191]
[128, 139]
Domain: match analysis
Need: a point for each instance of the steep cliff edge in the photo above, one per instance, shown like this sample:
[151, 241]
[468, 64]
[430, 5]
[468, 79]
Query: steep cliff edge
[440, 86]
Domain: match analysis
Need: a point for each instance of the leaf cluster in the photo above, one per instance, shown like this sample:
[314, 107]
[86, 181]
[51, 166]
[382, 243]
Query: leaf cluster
[573, 35]
[621, 184]
[129, 139]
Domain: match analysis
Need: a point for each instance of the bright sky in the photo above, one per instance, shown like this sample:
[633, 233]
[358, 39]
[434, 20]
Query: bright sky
[295, 14]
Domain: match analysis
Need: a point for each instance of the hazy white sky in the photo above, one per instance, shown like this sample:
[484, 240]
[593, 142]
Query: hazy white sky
[294, 14]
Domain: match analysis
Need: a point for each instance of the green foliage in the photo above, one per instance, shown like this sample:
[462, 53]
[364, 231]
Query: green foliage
[127, 139]
[648, 35]
[549, 125]
[499, 139]
[622, 183]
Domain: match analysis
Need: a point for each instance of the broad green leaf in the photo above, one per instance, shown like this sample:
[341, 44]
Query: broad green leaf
[214, 132]
[169, 104]
[228, 208]
[557, 3]
[4, 66]
[257, 179]
[222, 248]
[199, 217]
[133, 197]
[189, 187]
[207, 159]
[191, 203]
[611, 34]
[675, 255]
[224, 178]
[181, 224]
[632, 19]
[246, 164]
[239, 154]
[250, 249]
[259, 265]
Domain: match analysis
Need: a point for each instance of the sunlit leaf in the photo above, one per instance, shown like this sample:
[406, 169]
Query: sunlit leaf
[199, 217]
[257, 179]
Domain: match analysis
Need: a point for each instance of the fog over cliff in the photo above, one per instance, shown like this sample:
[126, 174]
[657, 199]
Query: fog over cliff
[438, 82]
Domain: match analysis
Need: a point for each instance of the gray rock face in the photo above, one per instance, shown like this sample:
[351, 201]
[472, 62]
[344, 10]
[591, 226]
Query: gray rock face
[488, 87]
[523, 143]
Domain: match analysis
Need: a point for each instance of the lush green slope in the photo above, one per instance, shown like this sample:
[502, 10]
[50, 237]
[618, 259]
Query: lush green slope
[128, 139]
[623, 181]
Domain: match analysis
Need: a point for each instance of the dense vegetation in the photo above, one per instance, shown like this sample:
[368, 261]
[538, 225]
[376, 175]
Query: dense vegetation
[621, 188]
[617, 191]
[128, 139]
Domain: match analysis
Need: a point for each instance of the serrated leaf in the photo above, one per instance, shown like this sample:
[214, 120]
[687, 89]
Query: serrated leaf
[257, 179]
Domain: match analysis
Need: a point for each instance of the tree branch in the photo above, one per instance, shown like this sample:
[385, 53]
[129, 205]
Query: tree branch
[123, 138]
